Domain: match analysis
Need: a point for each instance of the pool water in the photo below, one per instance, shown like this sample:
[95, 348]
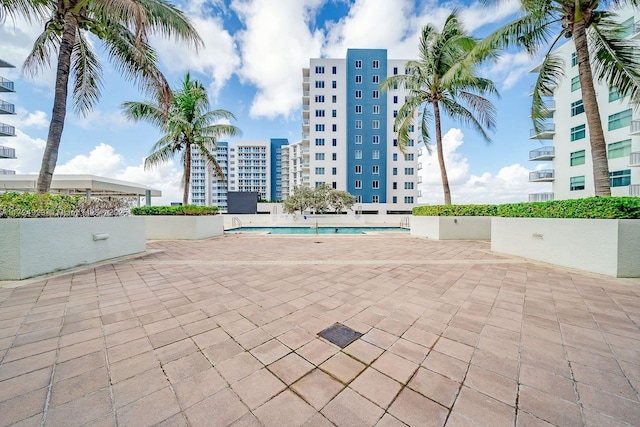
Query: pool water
[320, 230]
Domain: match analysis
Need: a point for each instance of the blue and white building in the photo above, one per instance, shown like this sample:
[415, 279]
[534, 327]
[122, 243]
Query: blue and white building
[6, 86]
[348, 138]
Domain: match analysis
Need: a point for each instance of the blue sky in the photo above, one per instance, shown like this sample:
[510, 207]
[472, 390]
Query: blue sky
[251, 64]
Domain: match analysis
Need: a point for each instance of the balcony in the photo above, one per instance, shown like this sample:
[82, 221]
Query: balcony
[634, 158]
[305, 107]
[549, 90]
[548, 108]
[634, 128]
[7, 172]
[545, 175]
[305, 93]
[7, 153]
[7, 107]
[6, 85]
[542, 153]
[540, 197]
[305, 136]
[634, 190]
[636, 30]
[546, 131]
[7, 130]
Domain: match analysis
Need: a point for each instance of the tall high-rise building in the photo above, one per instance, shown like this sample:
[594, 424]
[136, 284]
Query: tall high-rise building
[348, 137]
[565, 136]
[5, 129]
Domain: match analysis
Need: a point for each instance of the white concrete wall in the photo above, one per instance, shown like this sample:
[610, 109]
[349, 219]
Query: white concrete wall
[34, 246]
[604, 246]
[451, 227]
[181, 227]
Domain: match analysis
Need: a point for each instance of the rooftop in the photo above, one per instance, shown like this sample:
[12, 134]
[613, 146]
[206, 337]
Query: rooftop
[225, 330]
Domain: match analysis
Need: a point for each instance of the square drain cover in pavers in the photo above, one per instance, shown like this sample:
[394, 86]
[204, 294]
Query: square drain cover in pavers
[340, 335]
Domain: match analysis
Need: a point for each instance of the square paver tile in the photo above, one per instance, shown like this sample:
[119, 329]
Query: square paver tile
[270, 351]
[342, 367]
[377, 387]
[396, 367]
[258, 388]
[317, 351]
[220, 410]
[317, 388]
[286, 409]
[416, 410]
[363, 351]
[238, 367]
[350, 409]
[291, 368]
[435, 386]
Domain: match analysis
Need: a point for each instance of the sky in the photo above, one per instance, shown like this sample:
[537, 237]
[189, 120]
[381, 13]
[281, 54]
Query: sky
[251, 62]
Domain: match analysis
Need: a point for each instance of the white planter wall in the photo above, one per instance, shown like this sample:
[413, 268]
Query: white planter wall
[34, 246]
[183, 227]
[605, 246]
[451, 227]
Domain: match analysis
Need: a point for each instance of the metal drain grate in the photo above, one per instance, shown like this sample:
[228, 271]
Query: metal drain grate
[340, 335]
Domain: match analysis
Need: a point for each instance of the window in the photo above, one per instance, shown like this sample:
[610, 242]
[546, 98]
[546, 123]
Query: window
[334, 70]
[358, 109]
[394, 185]
[578, 132]
[395, 113]
[395, 99]
[334, 171]
[408, 199]
[375, 94]
[358, 63]
[408, 171]
[375, 198]
[620, 120]
[319, 84]
[614, 95]
[358, 124]
[334, 113]
[575, 83]
[619, 149]
[358, 154]
[411, 143]
[358, 169]
[577, 108]
[395, 71]
[620, 178]
[357, 139]
[376, 109]
[395, 142]
[375, 184]
[395, 157]
[376, 64]
[334, 156]
[375, 154]
[319, 98]
[319, 156]
[358, 78]
[576, 183]
[358, 184]
[394, 199]
[408, 185]
[375, 124]
[409, 156]
[334, 142]
[375, 169]
[319, 69]
[334, 84]
[319, 128]
[319, 141]
[319, 171]
[574, 59]
[319, 113]
[577, 158]
[334, 99]
[395, 171]
[375, 78]
[334, 128]
[375, 139]
[358, 94]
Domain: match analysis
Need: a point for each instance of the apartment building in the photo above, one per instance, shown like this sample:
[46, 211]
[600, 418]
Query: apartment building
[348, 137]
[6, 86]
[564, 139]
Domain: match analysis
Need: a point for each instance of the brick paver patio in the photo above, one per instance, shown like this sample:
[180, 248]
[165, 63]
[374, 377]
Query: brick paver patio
[224, 332]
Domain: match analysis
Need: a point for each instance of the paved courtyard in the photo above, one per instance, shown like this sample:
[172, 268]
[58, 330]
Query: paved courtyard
[224, 332]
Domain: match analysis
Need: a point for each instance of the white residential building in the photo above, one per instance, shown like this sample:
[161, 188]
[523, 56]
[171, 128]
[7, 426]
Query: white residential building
[565, 137]
[6, 130]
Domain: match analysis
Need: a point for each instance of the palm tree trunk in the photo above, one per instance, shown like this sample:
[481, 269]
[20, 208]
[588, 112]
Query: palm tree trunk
[187, 173]
[596, 134]
[443, 169]
[50, 157]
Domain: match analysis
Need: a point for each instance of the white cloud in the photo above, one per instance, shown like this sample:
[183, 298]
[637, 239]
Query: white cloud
[510, 184]
[217, 59]
[510, 68]
[25, 119]
[28, 152]
[276, 44]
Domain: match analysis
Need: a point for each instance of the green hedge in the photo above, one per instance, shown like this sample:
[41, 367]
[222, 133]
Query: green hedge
[30, 205]
[191, 210]
[591, 207]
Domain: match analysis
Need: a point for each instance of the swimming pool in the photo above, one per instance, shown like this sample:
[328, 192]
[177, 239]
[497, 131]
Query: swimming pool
[312, 230]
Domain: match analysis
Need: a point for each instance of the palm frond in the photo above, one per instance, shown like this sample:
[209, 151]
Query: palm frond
[551, 69]
[462, 114]
[40, 55]
[144, 111]
[86, 70]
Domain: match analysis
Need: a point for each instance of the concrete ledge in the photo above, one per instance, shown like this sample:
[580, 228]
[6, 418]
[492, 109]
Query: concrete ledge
[451, 227]
[183, 227]
[34, 246]
[605, 246]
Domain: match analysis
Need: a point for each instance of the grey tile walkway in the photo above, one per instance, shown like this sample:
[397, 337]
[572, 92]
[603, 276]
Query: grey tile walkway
[224, 332]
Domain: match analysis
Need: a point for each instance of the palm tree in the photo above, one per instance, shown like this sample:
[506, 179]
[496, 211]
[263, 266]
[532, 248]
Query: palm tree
[25, 8]
[444, 79]
[124, 27]
[186, 125]
[601, 52]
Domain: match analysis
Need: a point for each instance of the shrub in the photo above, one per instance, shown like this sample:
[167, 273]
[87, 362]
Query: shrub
[190, 210]
[29, 205]
[591, 207]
